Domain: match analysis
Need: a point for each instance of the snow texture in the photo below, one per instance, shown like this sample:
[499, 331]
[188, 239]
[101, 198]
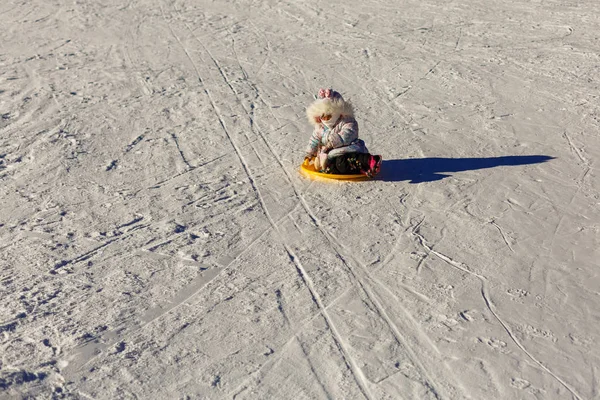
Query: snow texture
[157, 240]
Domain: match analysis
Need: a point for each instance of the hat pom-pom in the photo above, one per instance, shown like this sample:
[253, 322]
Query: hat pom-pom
[329, 94]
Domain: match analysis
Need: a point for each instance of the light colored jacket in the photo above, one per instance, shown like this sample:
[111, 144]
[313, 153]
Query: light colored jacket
[343, 138]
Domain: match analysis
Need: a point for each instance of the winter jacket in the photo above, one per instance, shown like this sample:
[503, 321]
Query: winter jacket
[343, 138]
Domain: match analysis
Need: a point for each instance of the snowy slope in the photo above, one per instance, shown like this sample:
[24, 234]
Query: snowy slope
[157, 240]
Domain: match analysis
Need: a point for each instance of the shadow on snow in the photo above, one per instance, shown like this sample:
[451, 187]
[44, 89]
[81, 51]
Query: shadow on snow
[418, 170]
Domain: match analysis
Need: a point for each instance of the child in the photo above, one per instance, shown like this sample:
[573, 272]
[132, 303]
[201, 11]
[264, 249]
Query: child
[334, 145]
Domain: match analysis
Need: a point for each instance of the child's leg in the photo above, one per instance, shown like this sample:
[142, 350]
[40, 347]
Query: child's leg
[349, 163]
[355, 163]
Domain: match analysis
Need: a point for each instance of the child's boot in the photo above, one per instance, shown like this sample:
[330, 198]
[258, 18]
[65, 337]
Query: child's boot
[374, 166]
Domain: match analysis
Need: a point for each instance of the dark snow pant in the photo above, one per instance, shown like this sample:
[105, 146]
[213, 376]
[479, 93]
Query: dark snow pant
[348, 163]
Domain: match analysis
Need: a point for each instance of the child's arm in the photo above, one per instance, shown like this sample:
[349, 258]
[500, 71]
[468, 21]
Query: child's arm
[347, 135]
[313, 144]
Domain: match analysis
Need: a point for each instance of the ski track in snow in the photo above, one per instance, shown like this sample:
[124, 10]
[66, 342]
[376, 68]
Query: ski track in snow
[157, 239]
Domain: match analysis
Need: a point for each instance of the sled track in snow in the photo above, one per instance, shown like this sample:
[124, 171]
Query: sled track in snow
[360, 379]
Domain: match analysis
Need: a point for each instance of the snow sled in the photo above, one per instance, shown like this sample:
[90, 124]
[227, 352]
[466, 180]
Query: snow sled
[309, 169]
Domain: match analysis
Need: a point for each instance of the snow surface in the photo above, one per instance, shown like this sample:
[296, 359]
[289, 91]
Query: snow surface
[157, 240]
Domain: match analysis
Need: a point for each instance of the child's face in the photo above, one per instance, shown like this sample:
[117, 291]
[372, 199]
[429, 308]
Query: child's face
[323, 118]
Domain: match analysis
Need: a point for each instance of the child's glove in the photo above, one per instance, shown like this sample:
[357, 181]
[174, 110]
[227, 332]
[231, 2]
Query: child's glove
[320, 161]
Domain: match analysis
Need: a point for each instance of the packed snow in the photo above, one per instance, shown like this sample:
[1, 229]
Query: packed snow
[158, 241]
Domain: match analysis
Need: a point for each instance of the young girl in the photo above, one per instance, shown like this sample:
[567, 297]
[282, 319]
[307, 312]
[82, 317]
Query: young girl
[334, 145]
